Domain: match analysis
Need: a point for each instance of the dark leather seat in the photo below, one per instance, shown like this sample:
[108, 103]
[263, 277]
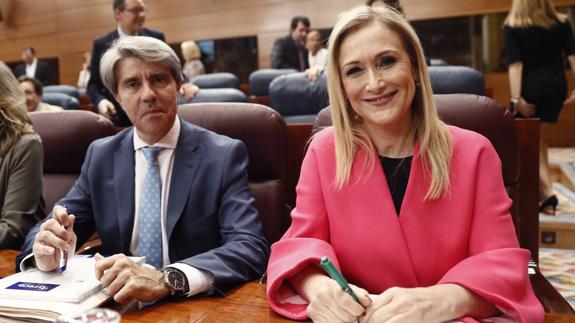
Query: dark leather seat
[216, 95]
[66, 89]
[260, 80]
[264, 133]
[296, 98]
[456, 79]
[216, 81]
[66, 136]
[60, 99]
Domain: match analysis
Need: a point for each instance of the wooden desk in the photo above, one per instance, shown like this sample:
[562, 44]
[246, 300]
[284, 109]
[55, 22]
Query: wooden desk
[245, 304]
[7, 261]
[248, 304]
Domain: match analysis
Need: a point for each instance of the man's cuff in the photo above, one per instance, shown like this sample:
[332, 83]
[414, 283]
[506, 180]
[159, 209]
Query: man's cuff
[198, 280]
[28, 263]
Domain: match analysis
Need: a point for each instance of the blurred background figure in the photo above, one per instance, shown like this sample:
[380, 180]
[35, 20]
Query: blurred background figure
[21, 166]
[33, 67]
[317, 54]
[537, 39]
[192, 54]
[84, 76]
[289, 51]
[390, 3]
[33, 90]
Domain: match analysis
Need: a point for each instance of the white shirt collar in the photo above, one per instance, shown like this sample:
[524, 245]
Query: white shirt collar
[122, 34]
[170, 140]
[34, 62]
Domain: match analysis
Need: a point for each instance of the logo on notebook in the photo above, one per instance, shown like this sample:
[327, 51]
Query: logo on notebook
[39, 287]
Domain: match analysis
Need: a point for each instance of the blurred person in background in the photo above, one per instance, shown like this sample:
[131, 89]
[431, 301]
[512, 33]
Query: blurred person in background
[537, 40]
[317, 55]
[33, 90]
[21, 165]
[192, 54]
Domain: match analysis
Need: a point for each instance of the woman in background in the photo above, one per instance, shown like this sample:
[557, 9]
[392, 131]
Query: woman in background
[21, 162]
[193, 65]
[84, 76]
[408, 208]
[317, 55]
[537, 40]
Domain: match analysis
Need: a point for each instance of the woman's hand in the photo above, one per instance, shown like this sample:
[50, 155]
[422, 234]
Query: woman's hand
[570, 99]
[329, 303]
[525, 108]
[437, 303]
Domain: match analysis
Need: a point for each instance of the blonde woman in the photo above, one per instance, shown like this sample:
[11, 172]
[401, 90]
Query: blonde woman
[193, 65]
[409, 209]
[21, 161]
[537, 41]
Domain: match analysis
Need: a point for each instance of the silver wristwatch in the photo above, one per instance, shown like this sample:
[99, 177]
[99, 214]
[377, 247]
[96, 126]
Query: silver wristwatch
[176, 281]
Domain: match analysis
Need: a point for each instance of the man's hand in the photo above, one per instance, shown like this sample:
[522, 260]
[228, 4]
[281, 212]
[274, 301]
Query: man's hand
[124, 280]
[107, 109]
[189, 91]
[54, 235]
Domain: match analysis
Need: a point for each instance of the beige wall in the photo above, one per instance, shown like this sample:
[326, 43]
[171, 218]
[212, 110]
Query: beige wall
[65, 28]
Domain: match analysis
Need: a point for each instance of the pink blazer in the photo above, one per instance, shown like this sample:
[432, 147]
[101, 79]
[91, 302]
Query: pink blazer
[466, 238]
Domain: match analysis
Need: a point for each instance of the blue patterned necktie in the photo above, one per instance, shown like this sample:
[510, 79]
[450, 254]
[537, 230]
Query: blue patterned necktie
[149, 222]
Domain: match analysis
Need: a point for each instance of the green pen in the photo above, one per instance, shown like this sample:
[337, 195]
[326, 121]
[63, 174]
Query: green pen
[337, 276]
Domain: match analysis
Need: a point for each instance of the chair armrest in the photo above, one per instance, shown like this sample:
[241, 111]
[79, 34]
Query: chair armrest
[552, 301]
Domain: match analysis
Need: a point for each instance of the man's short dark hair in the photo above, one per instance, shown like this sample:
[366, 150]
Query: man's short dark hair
[119, 4]
[38, 86]
[390, 3]
[297, 19]
[30, 48]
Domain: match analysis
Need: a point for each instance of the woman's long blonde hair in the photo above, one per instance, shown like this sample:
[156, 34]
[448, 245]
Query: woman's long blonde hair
[435, 147]
[527, 13]
[14, 121]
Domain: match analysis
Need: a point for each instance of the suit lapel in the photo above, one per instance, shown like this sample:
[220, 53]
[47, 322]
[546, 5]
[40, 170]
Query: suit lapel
[124, 168]
[187, 157]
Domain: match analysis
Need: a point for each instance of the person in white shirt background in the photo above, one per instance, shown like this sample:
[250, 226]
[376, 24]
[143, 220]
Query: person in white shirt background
[317, 55]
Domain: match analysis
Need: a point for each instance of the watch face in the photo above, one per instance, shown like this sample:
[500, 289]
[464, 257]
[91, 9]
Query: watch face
[176, 280]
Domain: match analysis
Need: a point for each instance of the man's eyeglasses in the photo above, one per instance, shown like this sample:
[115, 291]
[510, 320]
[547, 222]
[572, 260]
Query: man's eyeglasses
[136, 11]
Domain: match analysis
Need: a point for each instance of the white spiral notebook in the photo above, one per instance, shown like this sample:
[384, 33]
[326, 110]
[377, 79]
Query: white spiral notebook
[74, 285]
[43, 296]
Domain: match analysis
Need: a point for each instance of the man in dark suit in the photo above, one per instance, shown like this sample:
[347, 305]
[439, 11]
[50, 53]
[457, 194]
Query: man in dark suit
[290, 51]
[130, 16]
[188, 209]
[32, 67]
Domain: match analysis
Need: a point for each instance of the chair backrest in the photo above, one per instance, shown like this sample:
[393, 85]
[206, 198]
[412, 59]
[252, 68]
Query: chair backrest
[66, 136]
[260, 80]
[264, 133]
[60, 99]
[217, 95]
[216, 81]
[66, 89]
[456, 79]
[298, 99]
[489, 118]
